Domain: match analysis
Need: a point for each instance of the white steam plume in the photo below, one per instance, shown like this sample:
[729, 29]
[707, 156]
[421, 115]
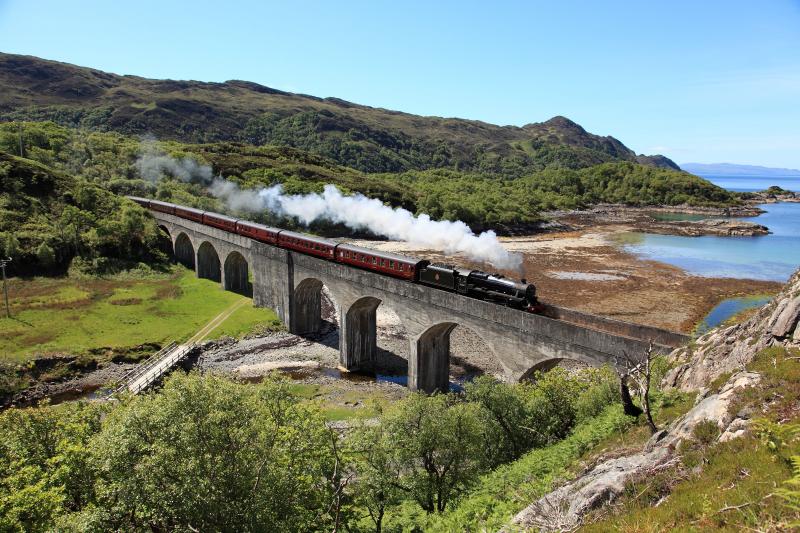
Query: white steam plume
[361, 213]
[356, 212]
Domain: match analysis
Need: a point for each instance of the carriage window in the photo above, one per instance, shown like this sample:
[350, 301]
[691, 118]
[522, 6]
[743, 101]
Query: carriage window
[374, 260]
[391, 264]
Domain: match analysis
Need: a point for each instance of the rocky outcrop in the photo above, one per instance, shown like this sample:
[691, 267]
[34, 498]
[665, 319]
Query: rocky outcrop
[562, 509]
[725, 350]
[650, 219]
[718, 352]
[719, 227]
[771, 197]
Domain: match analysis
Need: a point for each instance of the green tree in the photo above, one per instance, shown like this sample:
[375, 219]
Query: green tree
[377, 485]
[439, 441]
[45, 255]
[208, 454]
[507, 427]
[45, 468]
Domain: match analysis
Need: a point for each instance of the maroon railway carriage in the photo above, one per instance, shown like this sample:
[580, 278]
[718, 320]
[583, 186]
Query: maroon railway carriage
[219, 221]
[144, 202]
[258, 232]
[307, 244]
[162, 207]
[189, 213]
[390, 264]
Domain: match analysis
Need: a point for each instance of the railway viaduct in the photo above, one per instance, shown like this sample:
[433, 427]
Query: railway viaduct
[291, 283]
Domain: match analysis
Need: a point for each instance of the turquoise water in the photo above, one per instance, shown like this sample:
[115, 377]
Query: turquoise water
[771, 257]
[726, 309]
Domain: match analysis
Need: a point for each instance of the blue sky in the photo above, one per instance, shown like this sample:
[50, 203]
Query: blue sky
[707, 81]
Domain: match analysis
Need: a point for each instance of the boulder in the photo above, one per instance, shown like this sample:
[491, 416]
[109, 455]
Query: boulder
[730, 349]
[786, 320]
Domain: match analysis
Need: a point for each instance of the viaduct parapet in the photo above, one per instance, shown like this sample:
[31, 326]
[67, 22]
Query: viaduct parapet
[291, 283]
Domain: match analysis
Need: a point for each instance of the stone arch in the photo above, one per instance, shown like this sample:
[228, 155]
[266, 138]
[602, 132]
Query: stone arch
[184, 250]
[165, 240]
[208, 264]
[358, 334]
[429, 361]
[306, 315]
[548, 364]
[237, 274]
[542, 366]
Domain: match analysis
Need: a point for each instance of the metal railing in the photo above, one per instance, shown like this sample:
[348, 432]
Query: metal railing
[154, 367]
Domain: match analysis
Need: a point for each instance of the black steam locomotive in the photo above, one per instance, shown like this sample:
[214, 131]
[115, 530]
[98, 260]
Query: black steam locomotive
[481, 285]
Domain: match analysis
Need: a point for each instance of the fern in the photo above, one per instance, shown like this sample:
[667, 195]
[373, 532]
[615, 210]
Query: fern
[790, 492]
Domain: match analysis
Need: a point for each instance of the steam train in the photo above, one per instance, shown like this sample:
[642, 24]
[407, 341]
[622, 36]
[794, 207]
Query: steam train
[473, 283]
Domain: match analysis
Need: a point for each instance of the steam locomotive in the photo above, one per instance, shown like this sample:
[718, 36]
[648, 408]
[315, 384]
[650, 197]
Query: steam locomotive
[474, 283]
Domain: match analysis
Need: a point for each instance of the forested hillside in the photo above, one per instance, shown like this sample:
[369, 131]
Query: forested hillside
[88, 170]
[91, 131]
[47, 218]
[365, 138]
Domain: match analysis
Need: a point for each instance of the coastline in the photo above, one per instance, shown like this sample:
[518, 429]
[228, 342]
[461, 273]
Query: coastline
[588, 271]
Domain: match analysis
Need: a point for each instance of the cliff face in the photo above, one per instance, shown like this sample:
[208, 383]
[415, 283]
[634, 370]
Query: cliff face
[725, 350]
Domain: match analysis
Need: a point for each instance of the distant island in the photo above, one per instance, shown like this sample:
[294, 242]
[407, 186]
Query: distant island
[733, 170]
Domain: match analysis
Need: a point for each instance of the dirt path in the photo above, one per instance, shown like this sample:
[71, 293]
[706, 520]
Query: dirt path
[206, 330]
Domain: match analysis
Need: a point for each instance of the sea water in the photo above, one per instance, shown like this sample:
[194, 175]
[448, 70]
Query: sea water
[772, 257]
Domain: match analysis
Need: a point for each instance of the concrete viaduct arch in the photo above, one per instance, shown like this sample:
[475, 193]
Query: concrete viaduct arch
[291, 284]
[213, 254]
[184, 250]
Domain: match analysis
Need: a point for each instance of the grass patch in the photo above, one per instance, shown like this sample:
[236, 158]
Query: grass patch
[247, 319]
[108, 316]
[730, 494]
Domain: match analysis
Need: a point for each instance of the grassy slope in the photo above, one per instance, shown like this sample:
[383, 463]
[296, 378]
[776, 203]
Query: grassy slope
[729, 486]
[504, 492]
[96, 316]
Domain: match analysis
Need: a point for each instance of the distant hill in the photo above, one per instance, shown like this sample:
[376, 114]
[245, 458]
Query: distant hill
[730, 169]
[361, 137]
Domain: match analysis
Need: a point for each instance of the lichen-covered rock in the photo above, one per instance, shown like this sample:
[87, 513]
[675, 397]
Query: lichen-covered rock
[729, 349]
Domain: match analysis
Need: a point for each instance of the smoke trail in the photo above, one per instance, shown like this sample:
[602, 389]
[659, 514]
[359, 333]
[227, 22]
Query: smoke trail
[357, 212]
[153, 164]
